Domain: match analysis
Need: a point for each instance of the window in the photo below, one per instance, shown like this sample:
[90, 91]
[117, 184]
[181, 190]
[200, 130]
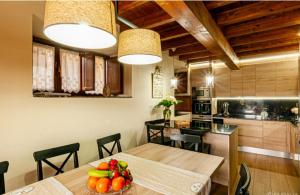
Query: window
[42, 68]
[70, 71]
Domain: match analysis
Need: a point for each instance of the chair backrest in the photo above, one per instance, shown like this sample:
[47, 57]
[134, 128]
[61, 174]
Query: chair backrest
[43, 155]
[3, 169]
[155, 131]
[105, 140]
[157, 121]
[189, 131]
[192, 139]
[244, 182]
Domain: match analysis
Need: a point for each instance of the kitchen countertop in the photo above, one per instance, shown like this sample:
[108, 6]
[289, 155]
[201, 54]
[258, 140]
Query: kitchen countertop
[223, 129]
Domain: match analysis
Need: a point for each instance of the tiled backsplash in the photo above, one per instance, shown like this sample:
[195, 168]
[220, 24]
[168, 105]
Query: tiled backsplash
[275, 108]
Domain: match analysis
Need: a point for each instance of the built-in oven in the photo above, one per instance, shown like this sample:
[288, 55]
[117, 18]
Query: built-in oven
[203, 124]
[201, 107]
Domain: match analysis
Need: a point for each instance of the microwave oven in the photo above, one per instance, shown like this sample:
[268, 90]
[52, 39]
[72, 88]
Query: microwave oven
[200, 93]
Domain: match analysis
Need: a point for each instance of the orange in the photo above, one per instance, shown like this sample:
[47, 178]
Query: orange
[118, 183]
[103, 166]
[92, 182]
[103, 185]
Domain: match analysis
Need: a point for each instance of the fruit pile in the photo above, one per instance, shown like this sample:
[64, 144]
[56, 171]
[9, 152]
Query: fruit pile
[110, 176]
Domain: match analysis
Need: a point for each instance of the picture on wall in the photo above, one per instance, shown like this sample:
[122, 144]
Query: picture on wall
[157, 85]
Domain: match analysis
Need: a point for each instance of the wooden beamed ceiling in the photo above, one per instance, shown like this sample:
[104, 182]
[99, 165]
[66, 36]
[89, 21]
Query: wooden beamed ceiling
[250, 27]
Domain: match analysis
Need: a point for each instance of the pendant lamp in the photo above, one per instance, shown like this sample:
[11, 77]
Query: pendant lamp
[139, 47]
[81, 24]
[210, 79]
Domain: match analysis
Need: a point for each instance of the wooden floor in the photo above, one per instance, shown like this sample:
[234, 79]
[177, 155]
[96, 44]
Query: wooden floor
[270, 176]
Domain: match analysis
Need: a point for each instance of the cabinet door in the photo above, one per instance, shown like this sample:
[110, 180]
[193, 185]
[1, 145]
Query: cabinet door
[249, 78]
[114, 76]
[275, 136]
[265, 80]
[222, 82]
[87, 72]
[236, 83]
[186, 105]
[287, 79]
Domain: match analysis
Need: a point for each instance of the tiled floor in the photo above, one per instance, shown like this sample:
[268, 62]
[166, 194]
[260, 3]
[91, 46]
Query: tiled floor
[270, 176]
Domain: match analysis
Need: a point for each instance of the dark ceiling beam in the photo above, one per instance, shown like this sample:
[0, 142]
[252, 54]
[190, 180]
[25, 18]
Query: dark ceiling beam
[196, 19]
[277, 50]
[187, 49]
[178, 42]
[172, 32]
[254, 11]
[216, 4]
[290, 32]
[125, 6]
[266, 45]
[203, 54]
[263, 24]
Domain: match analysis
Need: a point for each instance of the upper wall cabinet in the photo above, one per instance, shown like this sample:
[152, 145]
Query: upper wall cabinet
[272, 79]
[88, 72]
[114, 76]
[222, 82]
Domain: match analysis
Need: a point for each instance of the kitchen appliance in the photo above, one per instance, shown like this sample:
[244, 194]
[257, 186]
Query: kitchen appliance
[200, 93]
[225, 109]
[201, 107]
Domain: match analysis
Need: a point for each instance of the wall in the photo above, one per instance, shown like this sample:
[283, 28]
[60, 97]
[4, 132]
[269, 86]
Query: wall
[29, 124]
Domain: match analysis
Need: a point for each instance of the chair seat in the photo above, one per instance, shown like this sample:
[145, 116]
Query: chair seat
[190, 146]
[157, 140]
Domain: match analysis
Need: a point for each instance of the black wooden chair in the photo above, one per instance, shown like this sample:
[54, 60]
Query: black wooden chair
[155, 134]
[105, 140]
[3, 169]
[204, 147]
[183, 139]
[44, 155]
[244, 182]
[157, 121]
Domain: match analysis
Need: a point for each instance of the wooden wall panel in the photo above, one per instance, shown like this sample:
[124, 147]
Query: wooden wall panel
[186, 105]
[236, 83]
[265, 80]
[222, 82]
[286, 79]
[249, 80]
[198, 77]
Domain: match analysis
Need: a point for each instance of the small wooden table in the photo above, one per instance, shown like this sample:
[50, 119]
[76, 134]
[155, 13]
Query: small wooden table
[75, 180]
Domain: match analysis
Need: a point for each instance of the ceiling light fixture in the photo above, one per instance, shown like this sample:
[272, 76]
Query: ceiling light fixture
[209, 76]
[81, 24]
[139, 47]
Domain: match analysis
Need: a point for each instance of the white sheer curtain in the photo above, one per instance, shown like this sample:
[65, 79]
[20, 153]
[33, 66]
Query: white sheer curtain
[70, 71]
[42, 67]
[99, 76]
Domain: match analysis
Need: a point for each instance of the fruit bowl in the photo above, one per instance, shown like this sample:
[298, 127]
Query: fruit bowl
[111, 177]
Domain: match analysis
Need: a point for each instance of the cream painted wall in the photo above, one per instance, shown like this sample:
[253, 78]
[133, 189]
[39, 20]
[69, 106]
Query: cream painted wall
[29, 124]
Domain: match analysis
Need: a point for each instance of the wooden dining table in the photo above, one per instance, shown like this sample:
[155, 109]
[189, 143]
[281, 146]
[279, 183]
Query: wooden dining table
[169, 167]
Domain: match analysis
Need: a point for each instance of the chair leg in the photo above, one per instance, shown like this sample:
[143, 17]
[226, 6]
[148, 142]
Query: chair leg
[2, 184]
[39, 170]
[76, 164]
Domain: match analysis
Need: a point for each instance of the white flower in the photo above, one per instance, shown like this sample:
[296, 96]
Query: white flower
[294, 110]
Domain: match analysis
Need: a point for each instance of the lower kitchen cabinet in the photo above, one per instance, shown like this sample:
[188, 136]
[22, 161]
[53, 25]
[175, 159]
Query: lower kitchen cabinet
[271, 135]
[295, 146]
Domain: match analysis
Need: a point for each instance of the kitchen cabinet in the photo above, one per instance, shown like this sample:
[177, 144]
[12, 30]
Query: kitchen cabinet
[271, 135]
[248, 74]
[222, 82]
[295, 146]
[186, 105]
[275, 136]
[114, 76]
[236, 83]
[87, 72]
[270, 79]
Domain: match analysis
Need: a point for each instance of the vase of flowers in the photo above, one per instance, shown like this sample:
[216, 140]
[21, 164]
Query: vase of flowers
[167, 103]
